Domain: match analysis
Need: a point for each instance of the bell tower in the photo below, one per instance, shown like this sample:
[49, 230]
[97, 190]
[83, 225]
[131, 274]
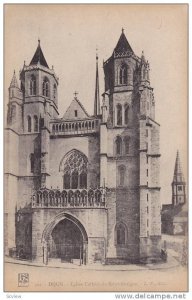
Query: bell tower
[178, 184]
[131, 153]
[39, 85]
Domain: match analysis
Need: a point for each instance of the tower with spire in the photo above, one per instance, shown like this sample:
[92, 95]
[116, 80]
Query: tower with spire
[174, 216]
[131, 151]
[178, 184]
[14, 114]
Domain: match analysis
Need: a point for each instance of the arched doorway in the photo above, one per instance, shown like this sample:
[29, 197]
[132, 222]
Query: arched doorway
[65, 239]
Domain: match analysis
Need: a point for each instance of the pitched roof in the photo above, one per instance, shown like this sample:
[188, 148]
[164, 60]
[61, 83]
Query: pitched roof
[75, 105]
[123, 44]
[14, 82]
[178, 173]
[38, 57]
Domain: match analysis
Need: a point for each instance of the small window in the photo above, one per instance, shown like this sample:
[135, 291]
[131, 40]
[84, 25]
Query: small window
[147, 209]
[75, 113]
[35, 123]
[54, 91]
[13, 112]
[147, 223]
[119, 114]
[146, 132]
[147, 197]
[29, 124]
[123, 75]
[41, 122]
[179, 188]
[32, 162]
[32, 85]
[46, 87]
[118, 145]
[121, 175]
[126, 145]
[120, 234]
[147, 173]
[126, 114]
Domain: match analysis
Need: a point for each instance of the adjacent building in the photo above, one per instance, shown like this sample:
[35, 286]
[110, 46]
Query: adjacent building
[175, 215]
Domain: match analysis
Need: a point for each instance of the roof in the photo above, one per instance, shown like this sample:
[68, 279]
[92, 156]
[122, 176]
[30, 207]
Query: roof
[75, 105]
[38, 57]
[179, 211]
[14, 82]
[123, 44]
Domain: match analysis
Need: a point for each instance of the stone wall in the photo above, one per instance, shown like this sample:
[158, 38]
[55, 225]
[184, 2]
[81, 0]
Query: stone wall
[88, 145]
[94, 222]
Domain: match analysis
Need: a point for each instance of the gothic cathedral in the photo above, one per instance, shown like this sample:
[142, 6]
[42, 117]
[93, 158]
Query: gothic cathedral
[83, 186]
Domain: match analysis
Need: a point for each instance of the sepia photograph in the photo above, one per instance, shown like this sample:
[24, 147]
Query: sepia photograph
[96, 147]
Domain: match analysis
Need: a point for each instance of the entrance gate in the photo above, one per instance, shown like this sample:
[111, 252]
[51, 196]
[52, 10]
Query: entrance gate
[67, 241]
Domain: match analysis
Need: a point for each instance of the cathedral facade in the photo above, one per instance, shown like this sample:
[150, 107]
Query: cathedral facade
[83, 186]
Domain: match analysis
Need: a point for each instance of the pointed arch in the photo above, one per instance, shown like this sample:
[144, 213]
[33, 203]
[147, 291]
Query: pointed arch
[118, 145]
[55, 220]
[123, 74]
[126, 145]
[45, 87]
[126, 113]
[32, 85]
[121, 175]
[29, 123]
[35, 122]
[120, 234]
[74, 166]
[119, 114]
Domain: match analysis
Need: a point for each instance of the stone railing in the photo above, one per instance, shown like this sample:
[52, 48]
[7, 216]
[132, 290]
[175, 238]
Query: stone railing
[78, 198]
[75, 127]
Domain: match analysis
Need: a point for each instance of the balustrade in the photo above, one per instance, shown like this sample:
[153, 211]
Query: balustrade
[75, 127]
[49, 198]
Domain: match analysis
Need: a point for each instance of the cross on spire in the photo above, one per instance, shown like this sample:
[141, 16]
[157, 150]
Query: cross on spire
[122, 30]
[75, 93]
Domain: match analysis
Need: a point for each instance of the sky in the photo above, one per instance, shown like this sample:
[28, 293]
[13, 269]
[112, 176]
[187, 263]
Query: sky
[69, 36]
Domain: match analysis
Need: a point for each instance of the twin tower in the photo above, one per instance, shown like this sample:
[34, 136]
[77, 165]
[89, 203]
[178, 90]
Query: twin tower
[97, 175]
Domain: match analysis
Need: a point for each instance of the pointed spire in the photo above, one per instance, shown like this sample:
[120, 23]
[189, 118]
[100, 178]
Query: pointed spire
[14, 82]
[143, 57]
[38, 57]
[178, 173]
[97, 99]
[123, 44]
